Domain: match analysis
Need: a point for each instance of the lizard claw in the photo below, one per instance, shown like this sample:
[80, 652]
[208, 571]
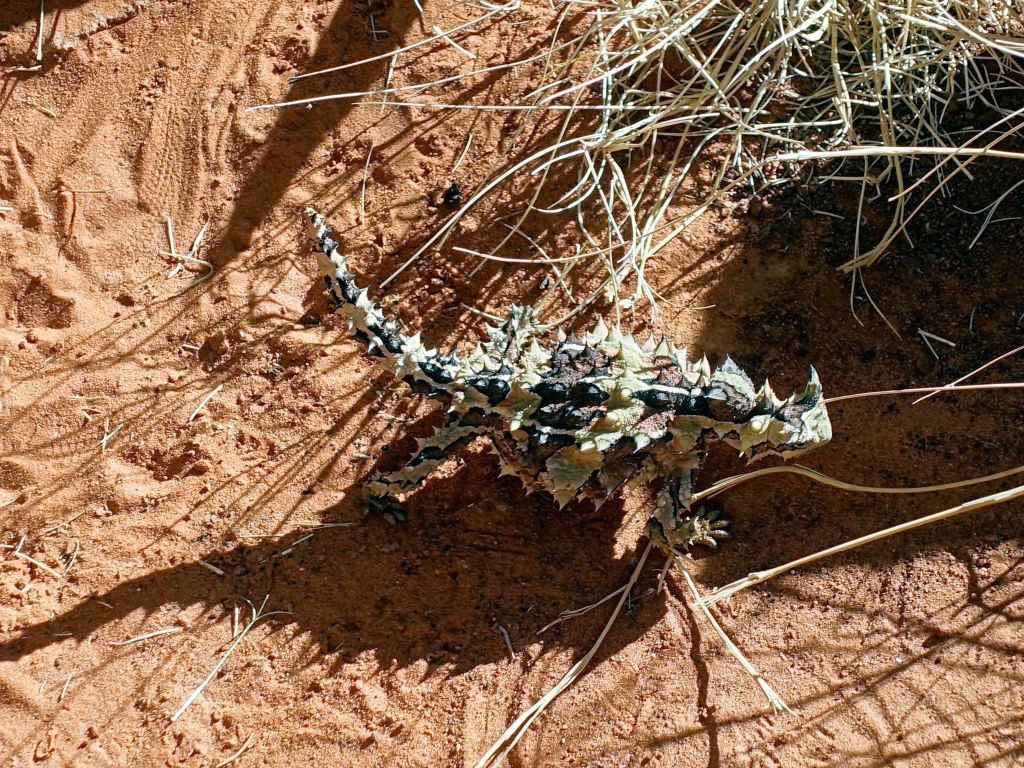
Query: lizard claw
[704, 527]
[707, 526]
[387, 506]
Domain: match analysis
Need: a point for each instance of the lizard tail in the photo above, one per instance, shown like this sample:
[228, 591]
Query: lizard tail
[405, 356]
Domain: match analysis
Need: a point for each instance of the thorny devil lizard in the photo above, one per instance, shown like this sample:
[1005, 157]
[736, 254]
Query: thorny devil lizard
[581, 421]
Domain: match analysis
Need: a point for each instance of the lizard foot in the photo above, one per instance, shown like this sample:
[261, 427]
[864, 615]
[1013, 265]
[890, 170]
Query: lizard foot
[704, 526]
[387, 506]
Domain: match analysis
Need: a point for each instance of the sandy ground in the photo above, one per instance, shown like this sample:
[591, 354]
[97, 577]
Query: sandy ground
[134, 513]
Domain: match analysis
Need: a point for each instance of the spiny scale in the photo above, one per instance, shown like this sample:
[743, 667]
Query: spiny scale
[583, 419]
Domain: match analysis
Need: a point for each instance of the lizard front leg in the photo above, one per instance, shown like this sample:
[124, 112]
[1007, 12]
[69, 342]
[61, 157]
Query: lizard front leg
[380, 492]
[674, 525]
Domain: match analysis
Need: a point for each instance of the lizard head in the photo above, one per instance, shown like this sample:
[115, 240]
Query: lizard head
[783, 428]
[726, 402]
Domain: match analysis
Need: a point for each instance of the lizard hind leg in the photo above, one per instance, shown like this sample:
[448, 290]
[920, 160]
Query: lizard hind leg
[675, 526]
[380, 493]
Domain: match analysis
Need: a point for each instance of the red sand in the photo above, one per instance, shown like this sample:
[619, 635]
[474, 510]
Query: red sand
[905, 653]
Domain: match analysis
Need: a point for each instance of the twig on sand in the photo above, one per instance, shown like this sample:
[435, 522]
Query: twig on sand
[170, 238]
[440, 33]
[919, 390]
[966, 376]
[257, 616]
[929, 337]
[426, 41]
[33, 68]
[53, 527]
[39, 43]
[929, 345]
[204, 401]
[290, 548]
[39, 32]
[105, 191]
[238, 753]
[379, 35]
[572, 613]
[795, 469]
[462, 155]
[314, 529]
[149, 636]
[777, 703]
[189, 257]
[109, 434]
[64, 690]
[28, 558]
[758, 577]
[45, 110]
[507, 639]
[211, 568]
[507, 741]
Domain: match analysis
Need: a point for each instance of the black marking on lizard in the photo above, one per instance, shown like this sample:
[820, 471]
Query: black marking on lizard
[584, 419]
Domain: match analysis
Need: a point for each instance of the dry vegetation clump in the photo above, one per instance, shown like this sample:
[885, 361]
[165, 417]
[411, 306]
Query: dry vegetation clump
[894, 97]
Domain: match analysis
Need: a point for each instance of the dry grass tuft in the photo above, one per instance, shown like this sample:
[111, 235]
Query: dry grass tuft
[648, 93]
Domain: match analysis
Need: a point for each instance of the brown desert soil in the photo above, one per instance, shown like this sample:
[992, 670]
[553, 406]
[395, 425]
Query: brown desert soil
[387, 648]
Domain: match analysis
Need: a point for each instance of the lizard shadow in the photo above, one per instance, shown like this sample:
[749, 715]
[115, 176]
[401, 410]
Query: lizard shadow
[778, 305]
[433, 588]
[476, 561]
[20, 11]
[17, 12]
